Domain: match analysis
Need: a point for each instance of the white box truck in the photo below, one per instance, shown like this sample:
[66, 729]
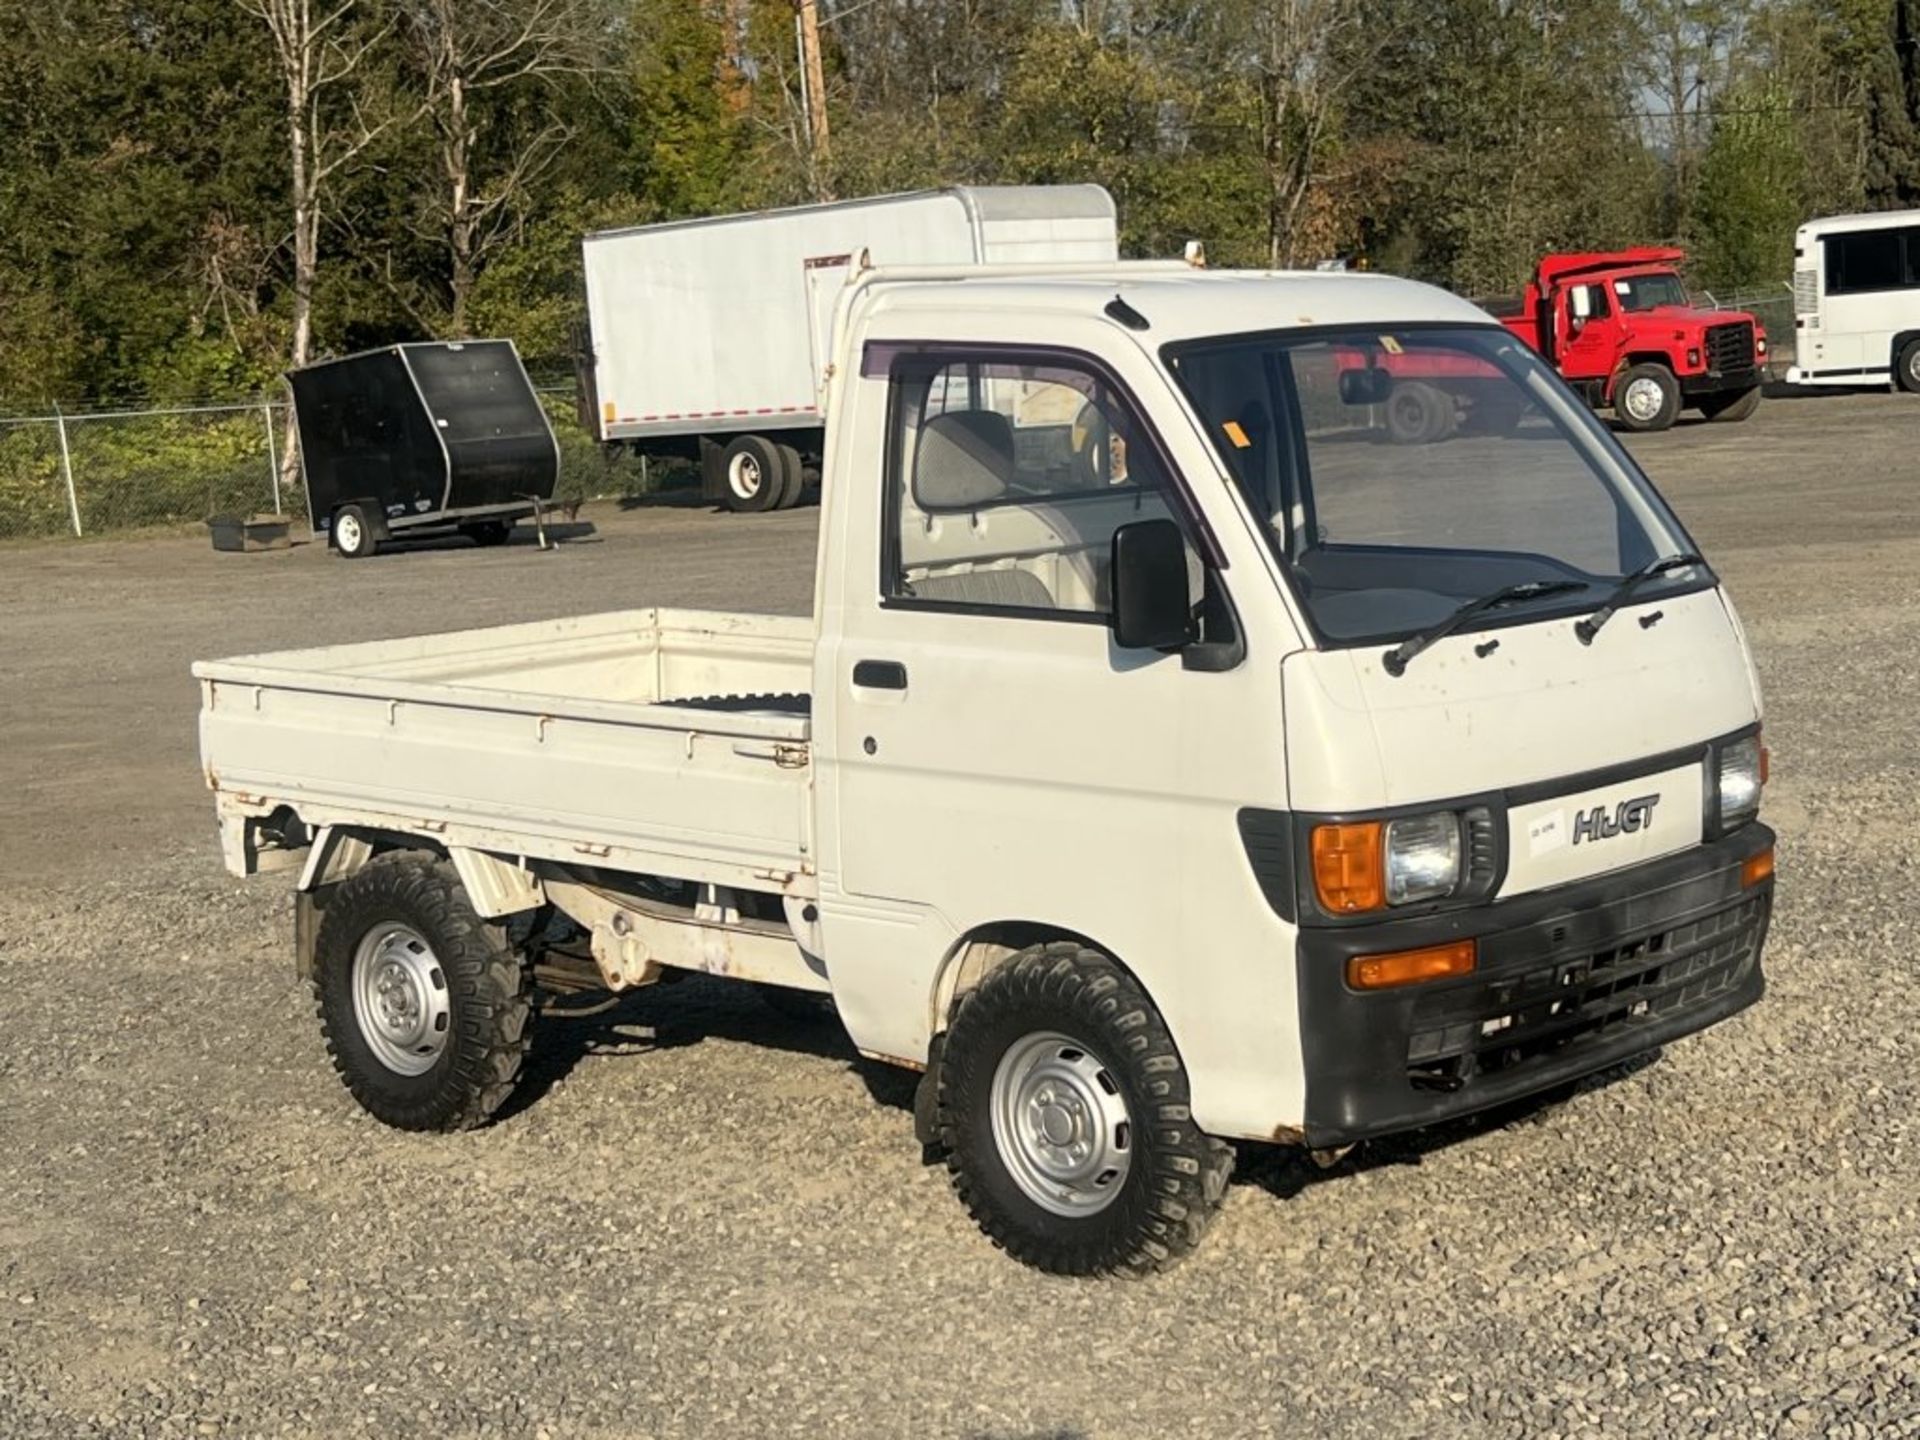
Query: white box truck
[1170, 758]
[708, 339]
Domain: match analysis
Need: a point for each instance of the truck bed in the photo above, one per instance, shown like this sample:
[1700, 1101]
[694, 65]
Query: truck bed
[656, 741]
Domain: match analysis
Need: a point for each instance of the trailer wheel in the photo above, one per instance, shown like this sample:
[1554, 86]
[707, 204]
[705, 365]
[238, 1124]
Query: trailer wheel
[425, 1007]
[1417, 414]
[1063, 1108]
[1906, 372]
[755, 476]
[1731, 407]
[488, 532]
[353, 535]
[1647, 398]
[793, 474]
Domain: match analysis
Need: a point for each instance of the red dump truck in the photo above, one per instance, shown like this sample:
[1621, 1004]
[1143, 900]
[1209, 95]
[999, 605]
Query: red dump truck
[1619, 328]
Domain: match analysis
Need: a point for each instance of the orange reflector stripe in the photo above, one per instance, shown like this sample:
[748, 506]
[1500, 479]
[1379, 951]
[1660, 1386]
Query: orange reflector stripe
[1757, 868]
[1410, 967]
[1348, 870]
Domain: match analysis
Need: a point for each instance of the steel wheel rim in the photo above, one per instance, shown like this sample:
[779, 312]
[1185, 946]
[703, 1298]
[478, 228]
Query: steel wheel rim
[1644, 399]
[1061, 1125]
[744, 476]
[400, 999]
[346, 532]
[1913, 368]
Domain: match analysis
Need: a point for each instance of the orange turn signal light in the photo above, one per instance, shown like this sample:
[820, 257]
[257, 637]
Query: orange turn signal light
[1757, 868]
[1349, 867]
[1411, 967]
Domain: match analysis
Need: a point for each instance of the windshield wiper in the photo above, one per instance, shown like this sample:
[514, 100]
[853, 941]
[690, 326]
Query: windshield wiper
[1396, 659]
[1589, 627]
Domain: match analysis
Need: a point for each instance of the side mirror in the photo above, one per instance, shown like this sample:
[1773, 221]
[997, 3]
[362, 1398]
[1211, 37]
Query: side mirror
[1151, 610]
[1580, 301]
[1370, 386]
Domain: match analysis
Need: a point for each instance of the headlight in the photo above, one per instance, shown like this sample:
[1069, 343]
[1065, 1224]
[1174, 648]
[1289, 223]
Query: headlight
[1742, 776]
[1423, 857]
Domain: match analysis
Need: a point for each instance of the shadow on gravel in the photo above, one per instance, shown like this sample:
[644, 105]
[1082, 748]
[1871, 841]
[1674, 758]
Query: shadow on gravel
[1286, 1170]
[675, 1014]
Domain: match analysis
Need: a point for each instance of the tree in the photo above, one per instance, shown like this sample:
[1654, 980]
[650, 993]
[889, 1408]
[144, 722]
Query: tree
[320, 52]
[1752, 176]
[475, 59]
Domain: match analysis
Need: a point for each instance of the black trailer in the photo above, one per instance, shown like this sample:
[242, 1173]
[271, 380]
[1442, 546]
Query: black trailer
[423, 439]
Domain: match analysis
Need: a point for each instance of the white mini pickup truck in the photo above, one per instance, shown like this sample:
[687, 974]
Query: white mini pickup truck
[1171, 758]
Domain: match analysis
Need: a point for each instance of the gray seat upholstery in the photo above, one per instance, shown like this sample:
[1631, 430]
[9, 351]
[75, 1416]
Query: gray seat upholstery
[986, 587]
[964, 461]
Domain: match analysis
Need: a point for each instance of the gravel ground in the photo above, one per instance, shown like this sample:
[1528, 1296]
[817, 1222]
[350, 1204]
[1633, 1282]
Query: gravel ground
[697, 1219]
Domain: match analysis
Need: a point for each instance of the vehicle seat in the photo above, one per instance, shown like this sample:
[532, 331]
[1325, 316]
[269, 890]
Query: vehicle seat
[965, 462]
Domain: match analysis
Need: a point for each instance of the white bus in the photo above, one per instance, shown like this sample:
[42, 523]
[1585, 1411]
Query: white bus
[1856, 300]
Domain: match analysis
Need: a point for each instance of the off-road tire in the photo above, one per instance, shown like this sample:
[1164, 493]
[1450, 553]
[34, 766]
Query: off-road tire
[490, 1020]
[1662, 418]
[1906, 369]
[1729, 408]
[757, 456]
[362, 541]
[1177, 1176]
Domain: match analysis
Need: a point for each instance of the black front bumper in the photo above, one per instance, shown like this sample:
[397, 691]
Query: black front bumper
[1568, 981]
[1720, 382]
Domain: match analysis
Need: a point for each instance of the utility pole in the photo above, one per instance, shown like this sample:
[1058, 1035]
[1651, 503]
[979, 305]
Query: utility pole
[813, 92]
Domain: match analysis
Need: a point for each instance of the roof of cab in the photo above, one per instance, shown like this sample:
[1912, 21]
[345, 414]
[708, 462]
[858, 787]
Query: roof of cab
[1182, 304]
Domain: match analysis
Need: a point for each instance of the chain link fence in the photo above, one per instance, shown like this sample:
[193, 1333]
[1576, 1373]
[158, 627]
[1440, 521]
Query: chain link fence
[1772, 306]
[107, 471]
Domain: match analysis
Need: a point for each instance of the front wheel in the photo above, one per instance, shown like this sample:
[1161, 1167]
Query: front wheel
[1647, 398]
[1731, 407]
[1417, 413]
[425, 1007]
[1065, 1115]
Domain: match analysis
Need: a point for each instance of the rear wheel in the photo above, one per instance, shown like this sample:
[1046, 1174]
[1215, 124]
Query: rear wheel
[1647, 398]
[793, 473]
[1417, 413]
[1063, 1108]
[753, 475]
[1906, 371]
[425, 1007]
[352, 534]
[488, 532]
[1735, 406]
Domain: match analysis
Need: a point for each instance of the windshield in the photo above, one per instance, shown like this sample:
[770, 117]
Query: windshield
[1401, 474]
[1644, 292]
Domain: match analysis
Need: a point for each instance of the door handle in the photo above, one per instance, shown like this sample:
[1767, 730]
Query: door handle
[880, 675]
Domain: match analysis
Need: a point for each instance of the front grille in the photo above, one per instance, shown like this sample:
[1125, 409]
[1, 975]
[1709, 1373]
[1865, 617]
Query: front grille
[1542, 1013]
[1730, 347]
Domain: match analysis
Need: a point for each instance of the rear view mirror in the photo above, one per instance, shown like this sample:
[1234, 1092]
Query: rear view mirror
[1151, 610]
[1365, 387]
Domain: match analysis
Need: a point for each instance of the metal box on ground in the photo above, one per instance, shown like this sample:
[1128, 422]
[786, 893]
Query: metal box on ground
[249, 532]
[422, 438]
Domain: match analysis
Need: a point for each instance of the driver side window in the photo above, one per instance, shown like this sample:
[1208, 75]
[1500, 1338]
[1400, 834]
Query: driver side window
[1007, 480]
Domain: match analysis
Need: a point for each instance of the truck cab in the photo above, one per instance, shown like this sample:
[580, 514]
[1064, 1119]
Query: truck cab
[1169, 761]
[1619, 328]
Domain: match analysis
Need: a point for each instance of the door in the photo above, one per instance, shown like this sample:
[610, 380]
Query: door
[988, 701]
[826, 277]
[1590, 344]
